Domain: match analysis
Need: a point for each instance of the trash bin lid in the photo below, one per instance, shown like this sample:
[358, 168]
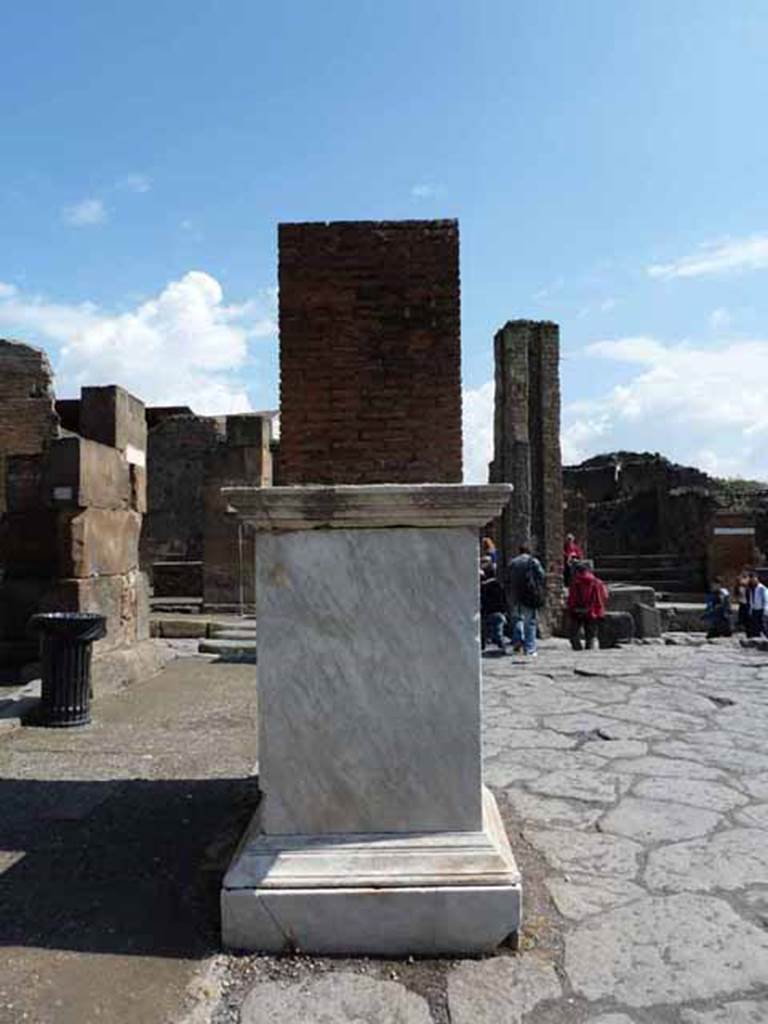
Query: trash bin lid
[74, 625]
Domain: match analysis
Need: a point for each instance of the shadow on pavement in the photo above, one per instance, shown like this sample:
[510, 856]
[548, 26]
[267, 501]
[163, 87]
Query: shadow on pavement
[129, 867]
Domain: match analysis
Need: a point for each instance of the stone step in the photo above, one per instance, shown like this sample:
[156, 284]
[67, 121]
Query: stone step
[230, 650]
[236, 634]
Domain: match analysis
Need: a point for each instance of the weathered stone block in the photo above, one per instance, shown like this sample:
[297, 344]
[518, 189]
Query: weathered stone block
[647, 621]
[616, 628]
[142, 606]
[623, 598]
[249, 429]
[112, 416]
[138, 488]
[25, 371]
[98, 542]
[86, 474]
[112, 596]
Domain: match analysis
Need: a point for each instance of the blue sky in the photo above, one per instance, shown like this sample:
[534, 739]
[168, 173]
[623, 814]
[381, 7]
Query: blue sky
[606, 160]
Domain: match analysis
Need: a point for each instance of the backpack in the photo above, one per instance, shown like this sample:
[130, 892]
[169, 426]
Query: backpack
[530, 588]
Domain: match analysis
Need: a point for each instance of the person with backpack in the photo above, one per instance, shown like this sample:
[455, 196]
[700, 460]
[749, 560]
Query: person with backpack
[587, 598]
[526, 586]
[718, 611]
[493, 607]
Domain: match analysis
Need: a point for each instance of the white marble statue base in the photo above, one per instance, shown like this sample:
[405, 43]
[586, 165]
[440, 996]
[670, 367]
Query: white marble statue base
[386, 894]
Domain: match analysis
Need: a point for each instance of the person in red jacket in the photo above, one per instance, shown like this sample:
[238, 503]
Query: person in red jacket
[587, 597]
[572, 553]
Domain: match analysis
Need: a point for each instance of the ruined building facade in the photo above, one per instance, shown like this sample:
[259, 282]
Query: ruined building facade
[527, 443]
[72, 498]
[191, 546]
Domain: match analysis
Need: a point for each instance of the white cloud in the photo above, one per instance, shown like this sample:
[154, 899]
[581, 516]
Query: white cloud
[478, 432]
[134, 183]
[732, 256]
[182, 347]
[720, 319]
[85, 213]
[427, 190]
[705, 405]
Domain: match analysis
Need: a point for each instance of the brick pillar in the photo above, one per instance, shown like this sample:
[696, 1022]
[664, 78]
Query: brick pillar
[370, 375]
[527, 442]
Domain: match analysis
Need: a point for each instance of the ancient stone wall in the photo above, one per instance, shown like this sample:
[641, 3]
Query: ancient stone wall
[191, 546]
[527, 442]
[642, 504]
[72, 505]
[370, 377]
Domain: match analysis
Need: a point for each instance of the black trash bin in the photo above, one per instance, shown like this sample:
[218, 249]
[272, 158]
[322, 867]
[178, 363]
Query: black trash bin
[65, 652]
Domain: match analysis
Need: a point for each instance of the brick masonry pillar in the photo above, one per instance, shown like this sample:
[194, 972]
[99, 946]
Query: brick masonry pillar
[370, 374]
[527, 442]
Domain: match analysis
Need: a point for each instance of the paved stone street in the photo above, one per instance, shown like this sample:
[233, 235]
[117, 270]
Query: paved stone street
[634, 785]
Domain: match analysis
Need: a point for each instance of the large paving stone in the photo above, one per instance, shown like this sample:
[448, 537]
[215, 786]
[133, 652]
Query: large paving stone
[616, 748]
[696, 792]
[736, 759]
[552, 812]
[584, 895]
[728, 860]
[337, 998]
[662, 950]
[665, 767]
[587, 784]
[755, 816]
[611, 1018]
[586, 853]
[502, 989]
[745, 1011]
[658, 821]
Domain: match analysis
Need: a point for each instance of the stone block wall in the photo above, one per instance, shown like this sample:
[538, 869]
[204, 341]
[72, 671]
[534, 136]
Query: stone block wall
[71, 507]
[370, 375]
[191, 546]
[527, 444]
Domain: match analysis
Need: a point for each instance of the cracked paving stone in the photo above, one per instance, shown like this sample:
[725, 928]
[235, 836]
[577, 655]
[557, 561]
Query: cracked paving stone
[337, 998]
[519, 739]
[613, 748]
[658, 821]
[611, 1018]
[757, 786]
[586, 853]
[585, 895]
[727, 758]
[612, 727]
[500, 990]
[666, 767]
[755, 816]
[728, 860]
[539, 810]
[666, 949]
[696, 792]
[745, 1011]
[595, 786]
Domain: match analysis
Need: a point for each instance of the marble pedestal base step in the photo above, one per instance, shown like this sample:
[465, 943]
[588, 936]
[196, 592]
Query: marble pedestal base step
[438, 893]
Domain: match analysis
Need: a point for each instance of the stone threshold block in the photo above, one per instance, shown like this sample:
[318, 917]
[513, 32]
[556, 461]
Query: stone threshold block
[374, 833]
[430, 893]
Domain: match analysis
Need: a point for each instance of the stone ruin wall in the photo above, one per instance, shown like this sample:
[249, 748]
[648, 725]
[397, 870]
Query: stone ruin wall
[71, 505]
[370, 359]
[527, 445]
[642, 504]
[191, 546]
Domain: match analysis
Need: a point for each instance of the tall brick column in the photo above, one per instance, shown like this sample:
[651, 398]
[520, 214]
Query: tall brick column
[370, 374]
[527, 441]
